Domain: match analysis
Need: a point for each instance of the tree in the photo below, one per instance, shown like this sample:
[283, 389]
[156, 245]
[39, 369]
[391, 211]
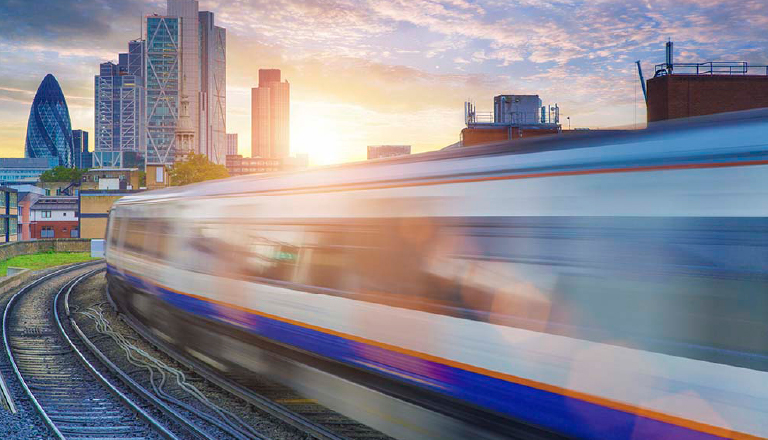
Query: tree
[63, 174]
[197, 168]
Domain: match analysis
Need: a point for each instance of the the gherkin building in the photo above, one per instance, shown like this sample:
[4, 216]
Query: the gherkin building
[49, 131]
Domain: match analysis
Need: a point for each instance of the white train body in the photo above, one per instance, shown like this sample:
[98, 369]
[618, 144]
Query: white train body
[610, 287]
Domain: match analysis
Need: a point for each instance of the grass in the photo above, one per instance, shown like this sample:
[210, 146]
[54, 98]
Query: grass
[43, 260]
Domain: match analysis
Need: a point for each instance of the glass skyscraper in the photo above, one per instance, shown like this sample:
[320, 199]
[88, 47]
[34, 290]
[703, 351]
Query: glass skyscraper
[119, 115]
[49, 130]
[162, 87]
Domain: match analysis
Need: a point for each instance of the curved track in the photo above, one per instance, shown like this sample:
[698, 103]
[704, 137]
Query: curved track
[50, 370]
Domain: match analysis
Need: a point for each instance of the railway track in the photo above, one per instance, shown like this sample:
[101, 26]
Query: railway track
[279, 401]
[51, 371]
[73, 387]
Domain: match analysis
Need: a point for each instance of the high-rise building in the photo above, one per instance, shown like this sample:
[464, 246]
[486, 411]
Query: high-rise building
[120, 111]
[162, 80]
[213, 89]
[182, 53]
[49, 130]
[83, 157]
[187, 12]
[231, 144]
[270, 116]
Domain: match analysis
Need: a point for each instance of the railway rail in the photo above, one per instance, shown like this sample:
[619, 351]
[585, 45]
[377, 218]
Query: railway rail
[55, 364]
[50, 369]
[279, 401]
[78, 392]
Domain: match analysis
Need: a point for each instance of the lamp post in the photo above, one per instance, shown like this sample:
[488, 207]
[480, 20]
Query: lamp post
[569, 123]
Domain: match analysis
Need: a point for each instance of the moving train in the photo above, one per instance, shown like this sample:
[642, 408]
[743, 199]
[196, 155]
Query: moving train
[605, 286]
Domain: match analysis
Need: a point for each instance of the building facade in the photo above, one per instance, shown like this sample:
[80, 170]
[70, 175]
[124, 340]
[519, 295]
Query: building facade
[270, 116]
[82, 154]
[380, 151]
[54, 217]
[9, 214]
[24, 169]
[686, 95]
[187, 13]
[120, 108]
[231, 144]
[27, 196]
[94, 211]
[49, 130]
[162, 80]
[213, 90]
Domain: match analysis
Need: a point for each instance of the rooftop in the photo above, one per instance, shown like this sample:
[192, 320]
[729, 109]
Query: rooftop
[25, 162]
[58, 203]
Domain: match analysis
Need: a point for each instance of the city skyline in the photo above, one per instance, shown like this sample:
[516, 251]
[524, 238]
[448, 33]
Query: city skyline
[391, 72]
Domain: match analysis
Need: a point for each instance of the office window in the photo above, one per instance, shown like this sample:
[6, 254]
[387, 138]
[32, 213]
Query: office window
[46, 214]
[13, 227]
[74, 233]
[14, 198]
[65, 214]
[47, 232]
[47, 191]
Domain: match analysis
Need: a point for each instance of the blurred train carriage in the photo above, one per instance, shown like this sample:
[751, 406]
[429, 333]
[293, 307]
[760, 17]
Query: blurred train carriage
[590, 286]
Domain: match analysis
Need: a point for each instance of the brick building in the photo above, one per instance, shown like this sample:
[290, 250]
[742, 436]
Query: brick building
[685, 95]
[54, 217]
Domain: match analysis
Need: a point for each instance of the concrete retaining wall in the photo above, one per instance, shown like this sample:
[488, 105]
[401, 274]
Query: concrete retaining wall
[9, 250]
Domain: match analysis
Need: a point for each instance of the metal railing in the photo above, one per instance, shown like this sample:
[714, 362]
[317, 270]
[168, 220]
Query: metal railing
[711, 68]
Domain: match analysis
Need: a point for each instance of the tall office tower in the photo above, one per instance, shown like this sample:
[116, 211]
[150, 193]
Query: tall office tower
[231, 144]
[120, 111]
[80, 149]
[187, 11]
[49, 130]
[270, 116]
[162, 78]
[213, 94]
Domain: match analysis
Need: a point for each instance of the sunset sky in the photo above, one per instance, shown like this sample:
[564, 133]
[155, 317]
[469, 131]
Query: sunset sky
[387, 71]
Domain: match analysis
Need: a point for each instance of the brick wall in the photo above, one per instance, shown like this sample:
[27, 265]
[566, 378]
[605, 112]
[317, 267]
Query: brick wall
[682, 96]
[10, 250]
[60, 229]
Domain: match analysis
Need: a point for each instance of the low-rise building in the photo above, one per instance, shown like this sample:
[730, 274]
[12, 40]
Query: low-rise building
[238, 165]
[23, 169]
[54, 217]
[381, 151]
[27, 196]
[94, 211]
[123, 179]
[157, 177]
[9, 214]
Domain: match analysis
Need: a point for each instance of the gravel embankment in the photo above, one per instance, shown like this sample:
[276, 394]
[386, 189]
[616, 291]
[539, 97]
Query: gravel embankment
[88, 300]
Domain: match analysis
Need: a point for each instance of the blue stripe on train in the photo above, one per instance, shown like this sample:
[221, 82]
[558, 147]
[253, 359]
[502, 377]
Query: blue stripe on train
[559, 413]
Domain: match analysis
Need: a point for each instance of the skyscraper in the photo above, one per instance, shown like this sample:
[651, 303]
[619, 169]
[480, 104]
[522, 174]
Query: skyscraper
[213, 89]
[82, 156]
[231, 144]
[49, 130]
[120, 112]
[162, 80]
[270, 116]
[187, 12]
[182, 53]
